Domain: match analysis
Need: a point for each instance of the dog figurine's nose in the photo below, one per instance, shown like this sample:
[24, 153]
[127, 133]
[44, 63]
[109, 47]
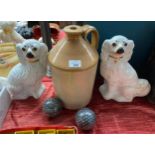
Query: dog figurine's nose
[120, 51]
[30, 55]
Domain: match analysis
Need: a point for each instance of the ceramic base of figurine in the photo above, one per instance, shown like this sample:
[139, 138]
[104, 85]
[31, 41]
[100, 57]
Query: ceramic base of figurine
[17, 94]
[125, 93]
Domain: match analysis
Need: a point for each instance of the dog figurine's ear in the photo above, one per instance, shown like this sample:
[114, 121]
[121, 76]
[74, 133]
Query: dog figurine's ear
[104, 50]
[130, 49]
[43, 54]
[131, 44]
[20, 53]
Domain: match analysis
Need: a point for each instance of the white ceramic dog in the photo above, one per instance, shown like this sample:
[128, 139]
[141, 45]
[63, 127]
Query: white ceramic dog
[24, 79]
[8, 32]
[121, 82]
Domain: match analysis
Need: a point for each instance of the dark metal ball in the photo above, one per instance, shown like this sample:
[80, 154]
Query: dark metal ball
[85, 119]
[52, 107]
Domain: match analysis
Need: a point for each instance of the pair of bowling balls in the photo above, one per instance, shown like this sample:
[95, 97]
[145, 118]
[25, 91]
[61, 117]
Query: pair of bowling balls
[85, 118]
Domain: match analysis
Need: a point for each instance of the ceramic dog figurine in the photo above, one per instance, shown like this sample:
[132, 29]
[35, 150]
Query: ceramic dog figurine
[8, 33]
[121, 82]
[24, 79]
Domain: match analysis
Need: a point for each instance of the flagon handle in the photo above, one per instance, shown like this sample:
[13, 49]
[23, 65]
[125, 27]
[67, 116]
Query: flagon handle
[87, 29]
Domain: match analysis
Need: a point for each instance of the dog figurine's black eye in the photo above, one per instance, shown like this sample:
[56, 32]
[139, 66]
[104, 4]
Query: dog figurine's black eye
[23, 49]
[114, 44]
[125, 44]
[34, 49]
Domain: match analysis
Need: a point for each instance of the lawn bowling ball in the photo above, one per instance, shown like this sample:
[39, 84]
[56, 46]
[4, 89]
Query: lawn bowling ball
[52, 107]
[85, 119]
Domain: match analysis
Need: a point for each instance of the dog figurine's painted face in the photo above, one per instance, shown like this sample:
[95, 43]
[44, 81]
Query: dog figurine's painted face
[31, 51]
[118, 48]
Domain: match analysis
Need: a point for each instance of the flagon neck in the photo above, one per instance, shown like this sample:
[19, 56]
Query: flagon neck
[73, 31]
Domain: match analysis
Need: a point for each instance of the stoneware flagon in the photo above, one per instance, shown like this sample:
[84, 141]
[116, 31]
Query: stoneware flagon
[74, 63]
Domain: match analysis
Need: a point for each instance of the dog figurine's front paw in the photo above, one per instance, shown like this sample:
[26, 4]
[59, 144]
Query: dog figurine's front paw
[104, 92]
[10, 90]
[39, 91]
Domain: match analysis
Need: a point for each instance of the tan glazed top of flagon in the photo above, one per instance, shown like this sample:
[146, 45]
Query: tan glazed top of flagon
[75, 52]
